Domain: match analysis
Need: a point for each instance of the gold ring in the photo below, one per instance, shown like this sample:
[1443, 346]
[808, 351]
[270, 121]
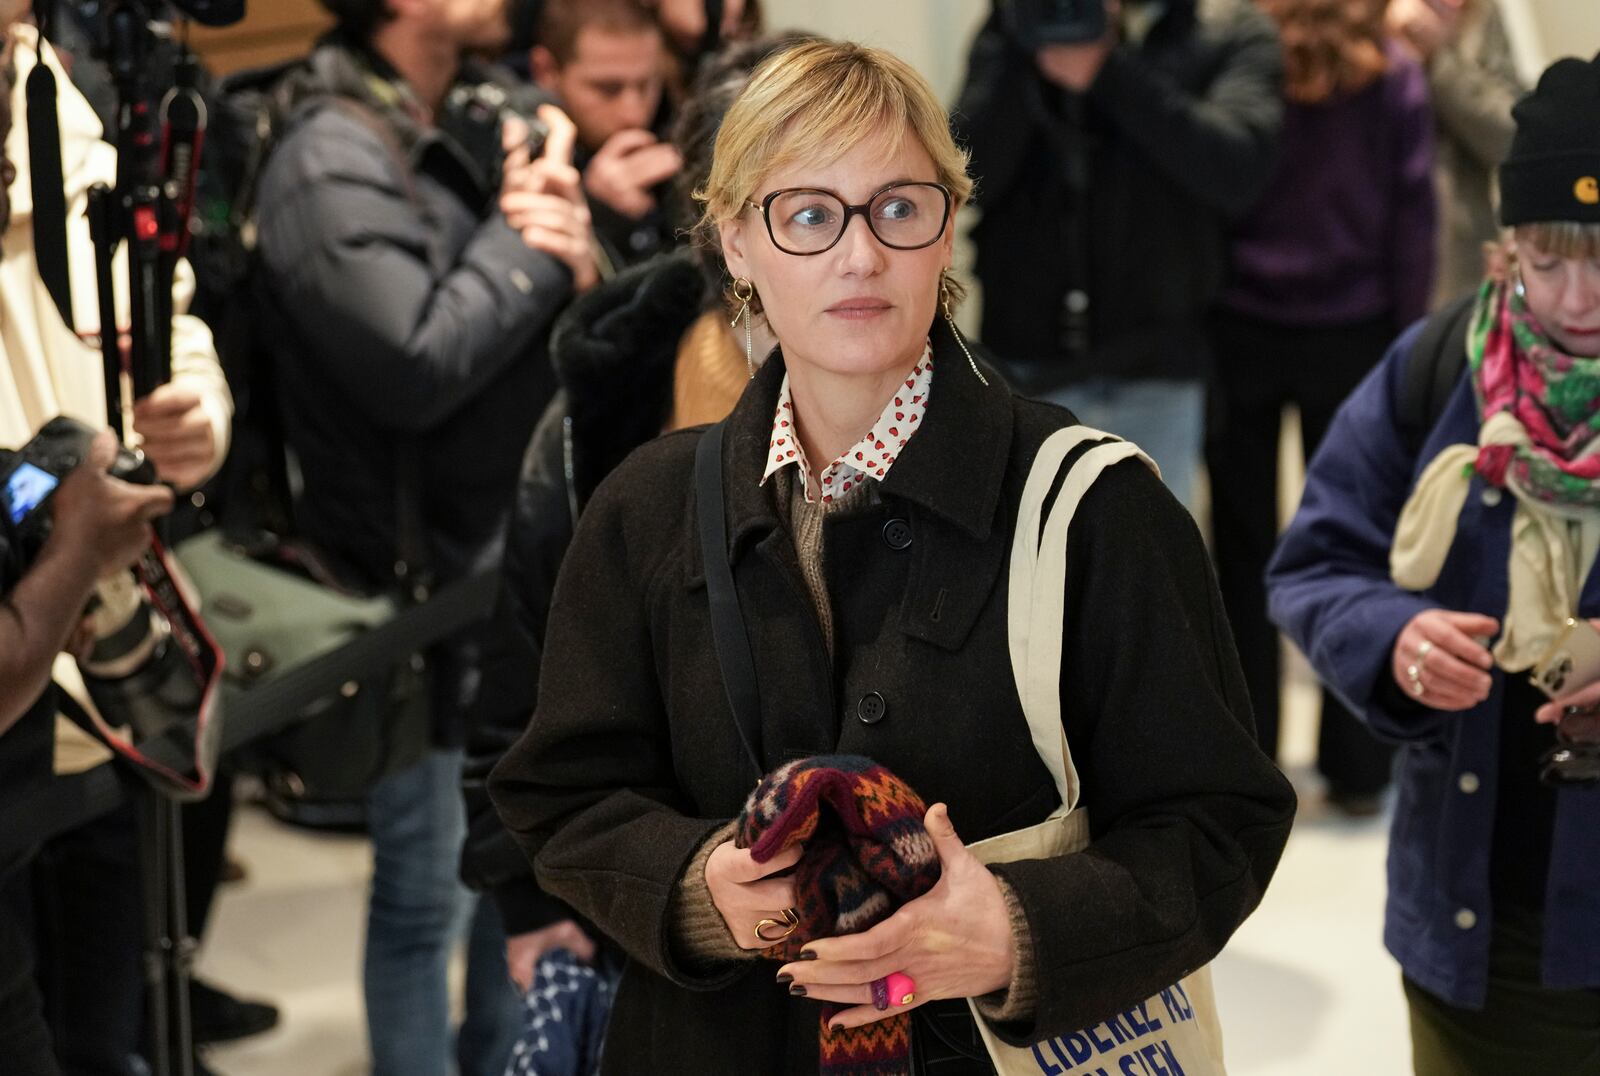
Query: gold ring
[787, 925]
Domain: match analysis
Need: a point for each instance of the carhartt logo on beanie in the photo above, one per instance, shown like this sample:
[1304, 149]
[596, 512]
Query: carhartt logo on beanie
[1553, 170]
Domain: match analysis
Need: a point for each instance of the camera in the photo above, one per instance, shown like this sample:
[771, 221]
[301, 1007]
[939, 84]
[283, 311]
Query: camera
[1036, 23]
[473, 116]
[36, 469]
[150, 662]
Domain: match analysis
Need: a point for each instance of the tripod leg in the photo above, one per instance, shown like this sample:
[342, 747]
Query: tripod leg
[183, 946]
[155, 854]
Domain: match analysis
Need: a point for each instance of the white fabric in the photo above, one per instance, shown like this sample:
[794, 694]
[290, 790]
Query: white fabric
[47, 369]
[1552, 551]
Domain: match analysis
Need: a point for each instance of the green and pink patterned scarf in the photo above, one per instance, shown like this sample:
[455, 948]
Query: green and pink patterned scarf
[1554, 396]
[1538, 437]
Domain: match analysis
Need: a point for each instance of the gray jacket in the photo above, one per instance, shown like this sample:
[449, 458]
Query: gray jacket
[1474, 84]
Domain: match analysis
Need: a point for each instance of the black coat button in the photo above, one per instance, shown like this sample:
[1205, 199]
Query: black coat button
[897, 534]
[871, 709]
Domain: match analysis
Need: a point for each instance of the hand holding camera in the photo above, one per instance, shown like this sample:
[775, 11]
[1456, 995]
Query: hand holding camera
[101, 516]
[1070, 39]
[542, 198]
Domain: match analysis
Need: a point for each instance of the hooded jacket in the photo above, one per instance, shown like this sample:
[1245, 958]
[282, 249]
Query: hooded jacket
[413, 322]
[1174, 139]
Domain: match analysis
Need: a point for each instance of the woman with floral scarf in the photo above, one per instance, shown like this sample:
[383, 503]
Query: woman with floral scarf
[1428, 571]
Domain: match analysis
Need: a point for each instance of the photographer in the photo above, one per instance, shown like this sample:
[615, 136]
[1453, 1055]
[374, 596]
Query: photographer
[605, 61]
[100, 525]
[1108, 170]
[96, 983]
[411, 366]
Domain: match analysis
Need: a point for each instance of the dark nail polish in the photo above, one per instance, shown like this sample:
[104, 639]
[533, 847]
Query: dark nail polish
[797, 991]
[807, 954]
[785, 979]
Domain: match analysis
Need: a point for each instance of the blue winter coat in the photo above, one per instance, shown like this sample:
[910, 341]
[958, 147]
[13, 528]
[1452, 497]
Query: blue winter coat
[1330, 591]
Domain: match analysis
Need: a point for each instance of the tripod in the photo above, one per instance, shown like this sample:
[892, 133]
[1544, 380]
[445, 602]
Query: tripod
[148, 210]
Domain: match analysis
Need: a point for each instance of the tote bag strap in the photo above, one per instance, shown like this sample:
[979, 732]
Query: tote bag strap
[1036, 594]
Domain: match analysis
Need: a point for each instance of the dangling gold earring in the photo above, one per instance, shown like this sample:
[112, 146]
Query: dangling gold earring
[944, 305]
[744, 293]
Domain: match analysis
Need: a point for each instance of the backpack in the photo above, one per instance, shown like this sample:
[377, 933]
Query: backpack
[247, 114]
[1433, 368]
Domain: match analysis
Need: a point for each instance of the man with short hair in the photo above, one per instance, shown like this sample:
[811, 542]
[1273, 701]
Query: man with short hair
[605, 61]
[411, 368]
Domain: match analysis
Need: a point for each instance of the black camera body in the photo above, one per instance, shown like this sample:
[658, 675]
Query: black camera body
[1034, 24]
[474, 115]
[33, 472]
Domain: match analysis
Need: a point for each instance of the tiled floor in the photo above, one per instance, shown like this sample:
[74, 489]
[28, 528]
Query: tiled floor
[1305, 988]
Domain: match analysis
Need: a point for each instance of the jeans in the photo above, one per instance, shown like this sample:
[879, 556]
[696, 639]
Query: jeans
[1163, 417]
[89, 926]
[417, 912]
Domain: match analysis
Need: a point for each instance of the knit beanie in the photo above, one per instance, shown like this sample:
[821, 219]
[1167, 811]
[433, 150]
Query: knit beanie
[866, 853]
[1553, 170]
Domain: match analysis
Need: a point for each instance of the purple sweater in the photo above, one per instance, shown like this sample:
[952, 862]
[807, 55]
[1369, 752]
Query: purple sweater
[1345, 231]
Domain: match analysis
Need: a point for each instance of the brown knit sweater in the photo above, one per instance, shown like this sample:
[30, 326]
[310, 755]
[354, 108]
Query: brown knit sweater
[700, 936]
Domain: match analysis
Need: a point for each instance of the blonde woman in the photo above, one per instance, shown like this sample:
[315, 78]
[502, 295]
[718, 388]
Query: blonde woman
[871, 472]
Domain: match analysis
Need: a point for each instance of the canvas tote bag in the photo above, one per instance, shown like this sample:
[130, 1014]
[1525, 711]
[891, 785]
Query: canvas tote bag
[1177, 1030]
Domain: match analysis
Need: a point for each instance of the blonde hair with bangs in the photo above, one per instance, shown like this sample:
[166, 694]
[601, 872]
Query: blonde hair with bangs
[815, 102]
[1561, 238]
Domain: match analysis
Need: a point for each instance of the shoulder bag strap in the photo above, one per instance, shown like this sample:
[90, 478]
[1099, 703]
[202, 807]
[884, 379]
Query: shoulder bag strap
[728, 633]
[1036, 595]
[49, 195]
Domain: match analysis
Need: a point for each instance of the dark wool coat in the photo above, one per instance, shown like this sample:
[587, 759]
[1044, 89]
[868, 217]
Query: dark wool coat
[633, 758]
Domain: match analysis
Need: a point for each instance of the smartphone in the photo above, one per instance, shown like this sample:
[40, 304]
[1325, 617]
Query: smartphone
[1572, 662]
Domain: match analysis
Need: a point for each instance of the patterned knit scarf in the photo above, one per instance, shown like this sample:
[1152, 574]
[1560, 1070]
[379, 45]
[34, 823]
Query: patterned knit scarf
[866, 853]
[1555, 397]
[1539, 439]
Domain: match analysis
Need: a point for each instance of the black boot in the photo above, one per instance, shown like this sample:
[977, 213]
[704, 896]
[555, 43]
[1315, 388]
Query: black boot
[217, 1016]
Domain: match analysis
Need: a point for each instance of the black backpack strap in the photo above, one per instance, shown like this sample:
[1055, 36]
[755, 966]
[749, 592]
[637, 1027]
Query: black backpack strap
[49, 195]
[728, 633]
[1432, 370]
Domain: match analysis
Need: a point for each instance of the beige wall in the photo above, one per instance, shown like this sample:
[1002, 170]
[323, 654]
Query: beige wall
[931, 34]
[1542, 30]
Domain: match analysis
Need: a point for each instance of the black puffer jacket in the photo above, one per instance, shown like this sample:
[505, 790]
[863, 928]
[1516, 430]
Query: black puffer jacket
[414, 317]
[1177, 135]
[412, 322]
[614, 354]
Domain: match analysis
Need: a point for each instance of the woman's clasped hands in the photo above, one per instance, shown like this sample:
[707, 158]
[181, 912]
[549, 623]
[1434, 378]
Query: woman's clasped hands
[952, 942]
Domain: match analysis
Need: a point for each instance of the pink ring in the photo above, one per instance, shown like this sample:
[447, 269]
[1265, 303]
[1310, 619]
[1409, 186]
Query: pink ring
[902, 989]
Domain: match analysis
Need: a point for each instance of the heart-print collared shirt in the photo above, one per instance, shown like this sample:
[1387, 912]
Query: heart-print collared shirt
[870, 457]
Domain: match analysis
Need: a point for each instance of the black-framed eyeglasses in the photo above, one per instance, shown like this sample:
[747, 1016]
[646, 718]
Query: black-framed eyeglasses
[809, 220]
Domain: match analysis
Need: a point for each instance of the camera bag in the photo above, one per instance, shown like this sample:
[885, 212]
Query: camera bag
[319, 758]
